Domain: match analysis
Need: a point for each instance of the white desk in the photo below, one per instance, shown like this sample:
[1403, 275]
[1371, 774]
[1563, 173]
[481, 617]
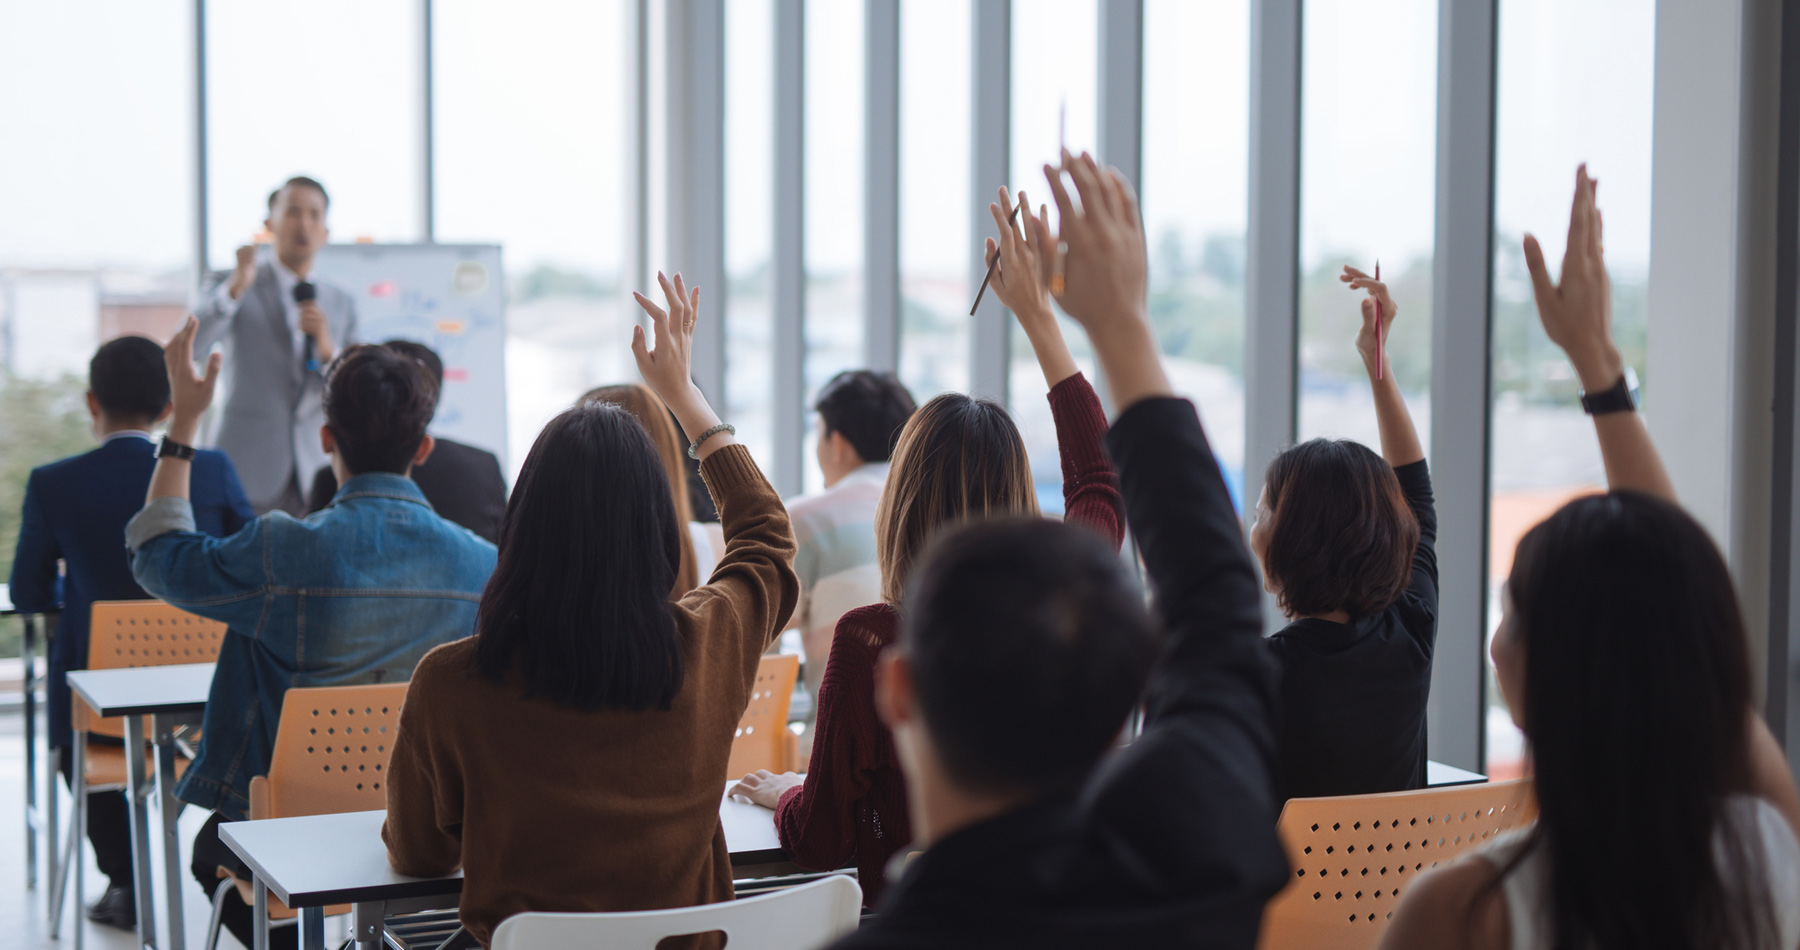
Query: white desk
[312, 862]
[1438, 774]
[170, 696]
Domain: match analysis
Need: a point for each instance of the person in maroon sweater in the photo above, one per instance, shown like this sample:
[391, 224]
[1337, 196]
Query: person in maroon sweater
[959, 459]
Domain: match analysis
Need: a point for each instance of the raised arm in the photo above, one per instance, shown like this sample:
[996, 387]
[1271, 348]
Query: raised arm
[754, 578]
[1090, 486]
[1399, 440]
[1577, 316]
[1192, 801]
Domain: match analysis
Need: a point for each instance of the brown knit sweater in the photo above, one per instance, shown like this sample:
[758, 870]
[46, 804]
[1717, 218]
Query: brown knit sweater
[550, 808]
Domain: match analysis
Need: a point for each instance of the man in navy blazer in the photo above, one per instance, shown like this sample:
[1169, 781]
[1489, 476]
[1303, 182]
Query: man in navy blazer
[75, 513]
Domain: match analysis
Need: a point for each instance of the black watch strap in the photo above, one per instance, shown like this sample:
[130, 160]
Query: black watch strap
[173, 449]
[1615, 399]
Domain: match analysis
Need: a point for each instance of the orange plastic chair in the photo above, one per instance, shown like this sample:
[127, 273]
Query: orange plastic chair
[763, 740]
[123, 634]
[1353, 855]
[331, 756]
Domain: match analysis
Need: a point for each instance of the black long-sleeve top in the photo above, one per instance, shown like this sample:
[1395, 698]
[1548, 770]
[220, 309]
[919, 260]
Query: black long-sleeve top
[1172, 842]
[1353, 694]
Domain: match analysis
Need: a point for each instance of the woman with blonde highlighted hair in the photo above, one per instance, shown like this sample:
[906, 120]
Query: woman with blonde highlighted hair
[959, 459]
[697, 551]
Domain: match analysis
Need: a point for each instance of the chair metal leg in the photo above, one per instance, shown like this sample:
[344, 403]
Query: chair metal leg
[32, 816]
[78, 836]
[226, 886]
[59, 889]
[53, 853]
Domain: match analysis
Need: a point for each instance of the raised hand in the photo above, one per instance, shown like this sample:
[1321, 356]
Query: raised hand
[1104, 277]
[1367, 340]
[1577, 310]
[668, 369]
[190, 393]
[1023, 286]
[245, 274]
[1105, 263]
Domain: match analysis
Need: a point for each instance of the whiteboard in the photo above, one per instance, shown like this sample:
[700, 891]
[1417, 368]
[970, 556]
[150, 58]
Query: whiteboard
[452, 298]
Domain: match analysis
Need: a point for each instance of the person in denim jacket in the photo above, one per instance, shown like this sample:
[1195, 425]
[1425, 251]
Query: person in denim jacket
[355, 593]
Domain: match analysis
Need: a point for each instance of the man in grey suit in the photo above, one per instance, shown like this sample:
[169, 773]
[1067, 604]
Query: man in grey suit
[280, 330]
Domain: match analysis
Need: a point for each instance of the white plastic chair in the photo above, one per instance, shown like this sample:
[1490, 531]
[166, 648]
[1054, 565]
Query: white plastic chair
[799, 918]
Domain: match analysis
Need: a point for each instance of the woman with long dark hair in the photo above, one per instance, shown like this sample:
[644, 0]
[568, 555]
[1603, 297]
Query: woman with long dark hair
[697, 555]
[1667, 813]
[959, 459]
[570, 756]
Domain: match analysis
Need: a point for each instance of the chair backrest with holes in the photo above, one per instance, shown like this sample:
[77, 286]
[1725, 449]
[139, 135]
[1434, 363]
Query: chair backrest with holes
[1353, 855]
[810, 915]
[131, 633]
[763, 739]
[331, 751]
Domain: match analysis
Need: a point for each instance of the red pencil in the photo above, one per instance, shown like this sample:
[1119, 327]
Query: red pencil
[1378, 350]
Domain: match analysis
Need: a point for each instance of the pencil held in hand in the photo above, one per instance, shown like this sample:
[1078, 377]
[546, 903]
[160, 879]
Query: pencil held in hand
[1380, 351]
[993, 259]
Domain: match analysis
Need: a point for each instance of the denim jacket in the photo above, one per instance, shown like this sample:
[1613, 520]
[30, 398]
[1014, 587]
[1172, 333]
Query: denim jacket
[355, 593]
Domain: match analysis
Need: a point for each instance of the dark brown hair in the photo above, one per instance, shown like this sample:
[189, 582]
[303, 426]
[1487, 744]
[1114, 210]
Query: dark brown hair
[959, 459]
[377, 405]
[645, 406]
[578, 602]
[1636, 694]
[1342, 535]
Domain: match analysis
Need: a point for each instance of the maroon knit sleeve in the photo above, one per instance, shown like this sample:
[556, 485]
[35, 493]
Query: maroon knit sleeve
[1090, 486]
[817, 819]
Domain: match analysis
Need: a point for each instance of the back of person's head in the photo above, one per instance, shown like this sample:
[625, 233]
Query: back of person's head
[648, 409]
[129, 380]
[578, 603]
[1636, 693]
[426, 356]
[1029, 644]
[959, 459]
[377, 405]
[869, 408]
[1341, 535]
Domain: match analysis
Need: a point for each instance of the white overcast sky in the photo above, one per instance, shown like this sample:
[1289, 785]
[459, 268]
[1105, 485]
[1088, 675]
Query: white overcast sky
[96, 113]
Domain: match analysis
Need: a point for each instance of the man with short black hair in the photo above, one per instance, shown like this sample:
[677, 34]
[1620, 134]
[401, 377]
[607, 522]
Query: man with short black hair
[861, 413]
[280, 328]
[75, 512]
[1033, 835]
[356, 593]
[463, 483]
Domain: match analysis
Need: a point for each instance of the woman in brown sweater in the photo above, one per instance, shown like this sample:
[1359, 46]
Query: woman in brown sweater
[637, 399]
[570, 756]
[958, 459]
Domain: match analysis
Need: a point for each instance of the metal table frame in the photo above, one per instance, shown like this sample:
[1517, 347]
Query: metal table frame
[165, 717]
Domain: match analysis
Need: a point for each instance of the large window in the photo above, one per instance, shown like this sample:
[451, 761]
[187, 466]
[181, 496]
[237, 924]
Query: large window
[834, 130]
[96, 213]
[749, 231]
[1054, 91]
[326, 88]
[1557, 108]
[1368, 188]
[1194, 198]
[529, 103]
[935, 75]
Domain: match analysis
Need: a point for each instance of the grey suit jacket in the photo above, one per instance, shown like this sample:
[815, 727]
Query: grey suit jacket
[271, 407]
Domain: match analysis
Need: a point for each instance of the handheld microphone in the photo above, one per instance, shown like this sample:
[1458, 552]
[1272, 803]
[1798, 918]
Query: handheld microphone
[304, 291]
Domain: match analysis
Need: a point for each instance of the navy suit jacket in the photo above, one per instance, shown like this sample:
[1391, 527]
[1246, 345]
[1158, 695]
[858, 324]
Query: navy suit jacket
[75, 511]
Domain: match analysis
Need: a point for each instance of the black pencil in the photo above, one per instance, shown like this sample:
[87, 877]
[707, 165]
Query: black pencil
[991, 264]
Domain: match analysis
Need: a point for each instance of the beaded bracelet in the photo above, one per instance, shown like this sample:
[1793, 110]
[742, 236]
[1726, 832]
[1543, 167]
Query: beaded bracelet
[694, 446]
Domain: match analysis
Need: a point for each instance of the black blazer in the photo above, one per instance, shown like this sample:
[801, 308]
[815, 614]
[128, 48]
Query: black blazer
[463, 484]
